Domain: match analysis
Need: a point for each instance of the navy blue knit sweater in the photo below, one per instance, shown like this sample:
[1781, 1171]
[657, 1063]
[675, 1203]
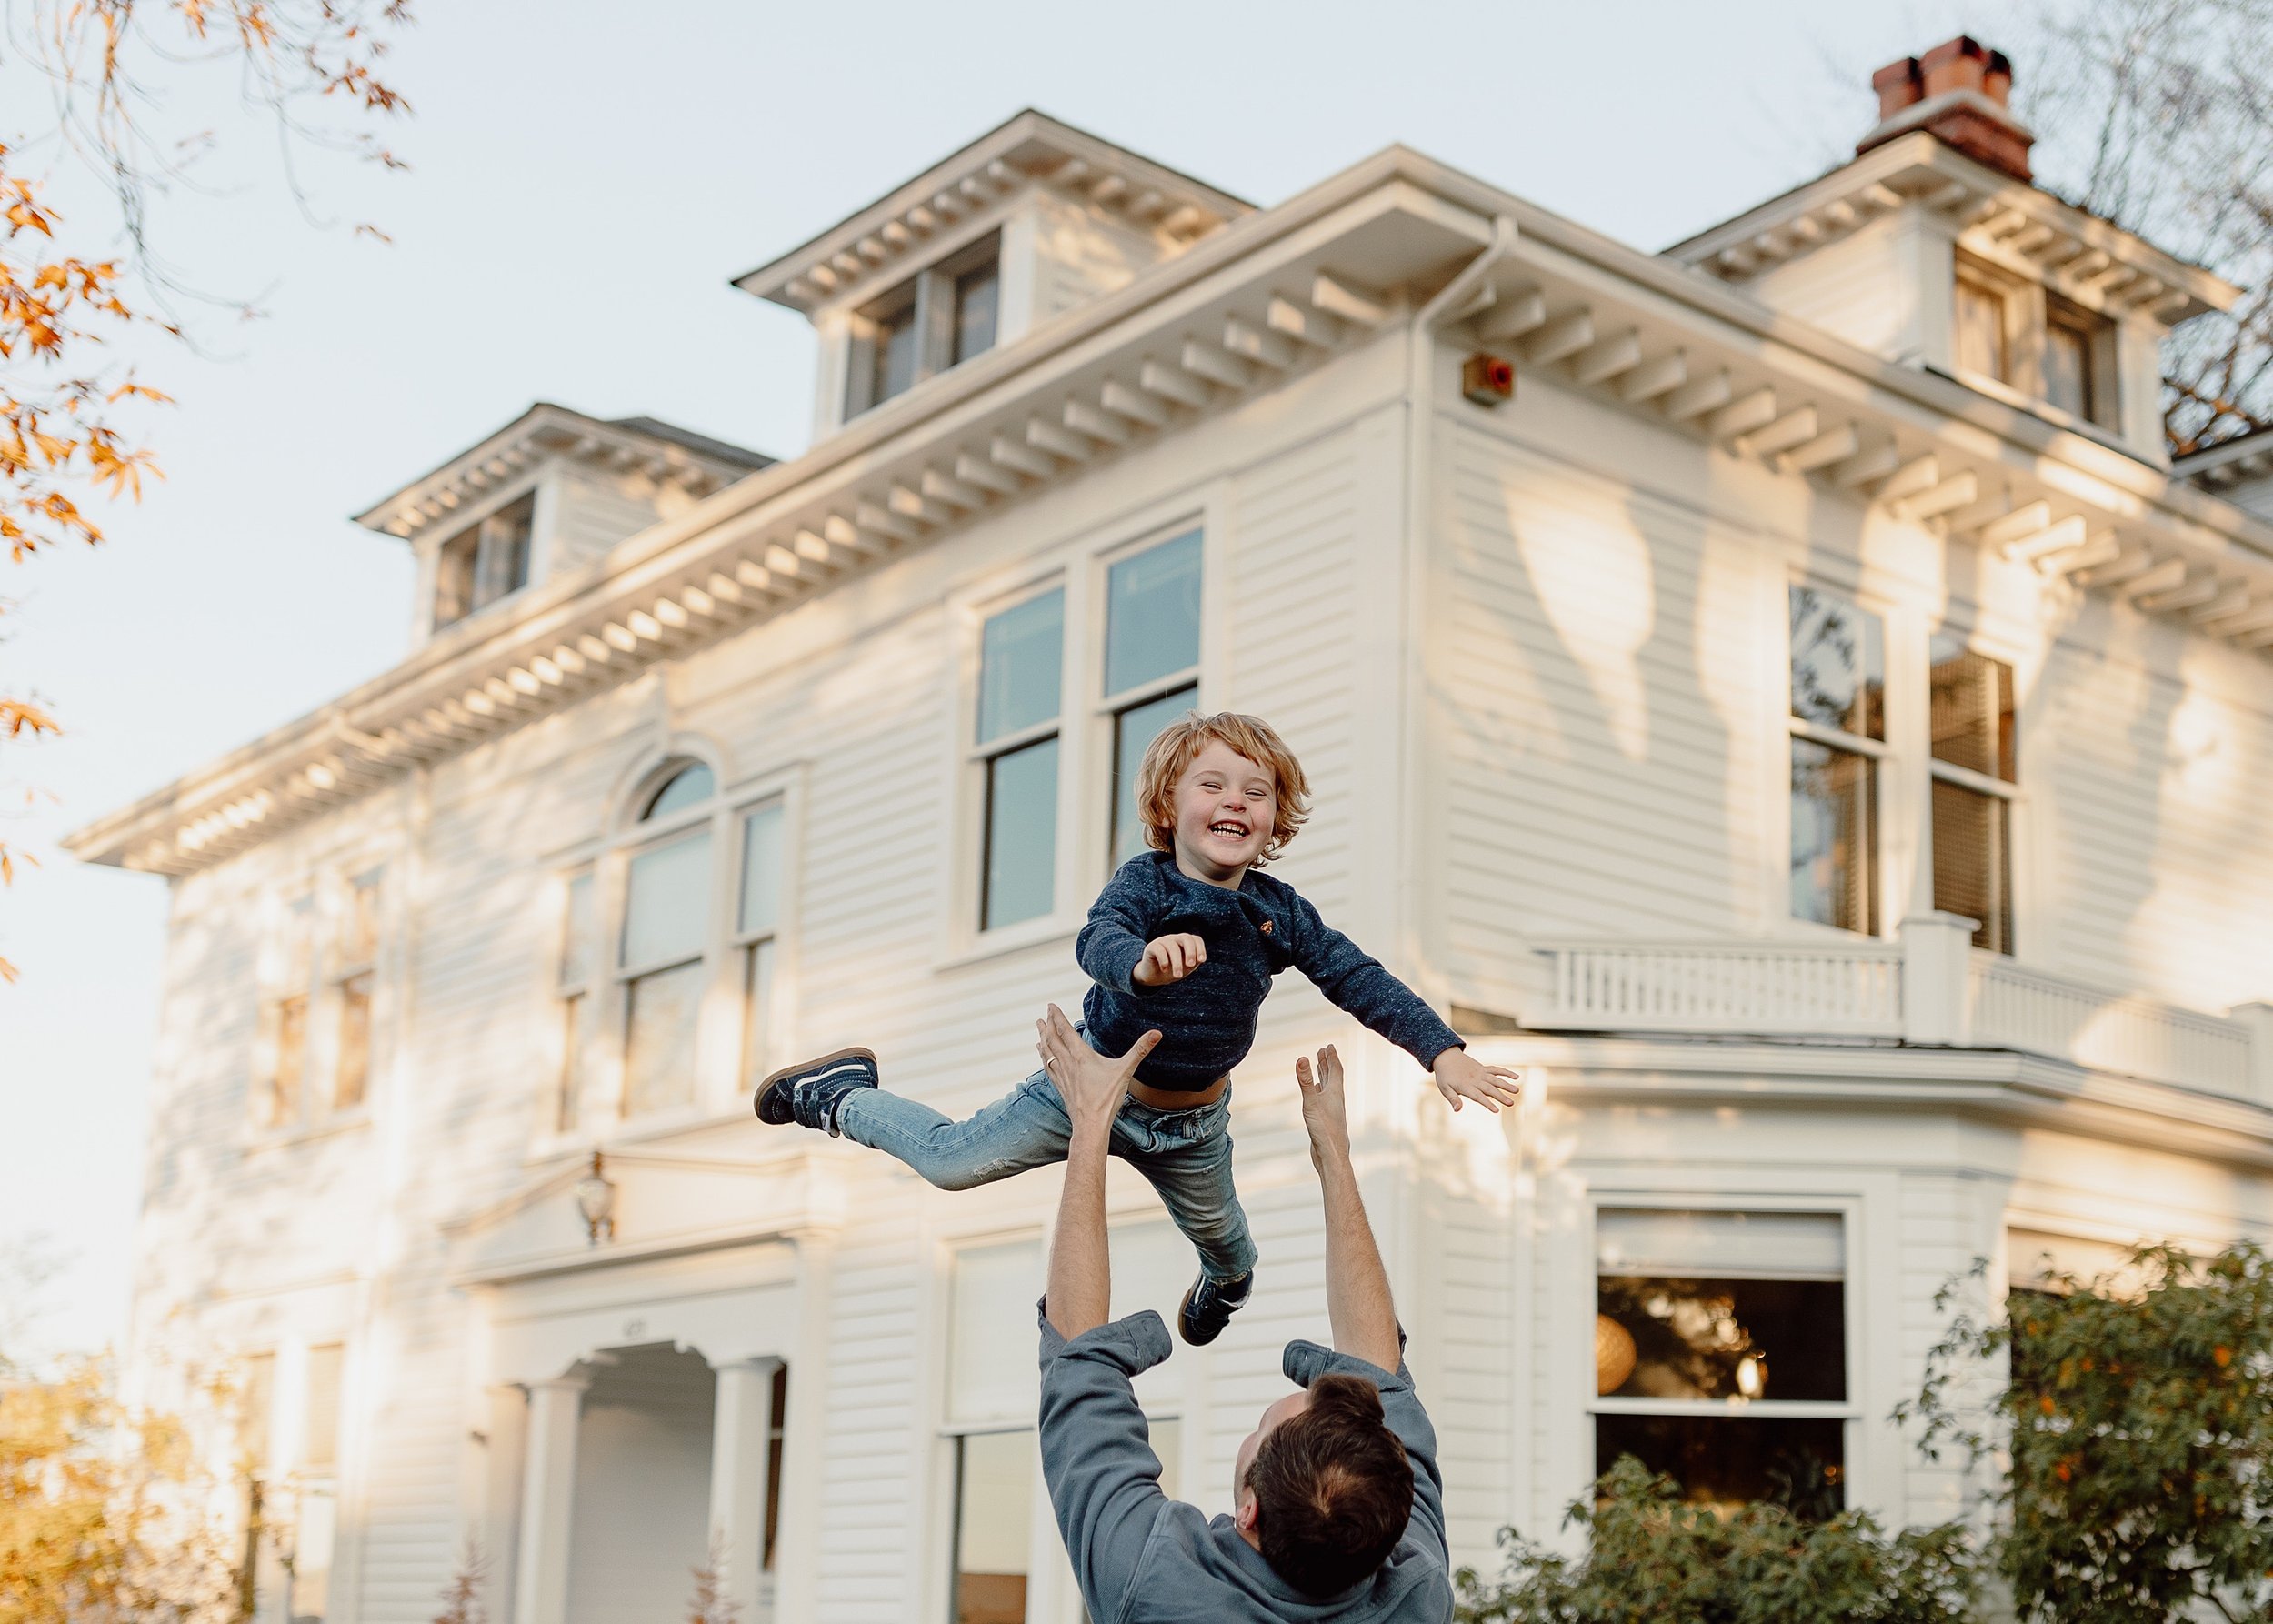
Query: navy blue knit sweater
[1207, 1021]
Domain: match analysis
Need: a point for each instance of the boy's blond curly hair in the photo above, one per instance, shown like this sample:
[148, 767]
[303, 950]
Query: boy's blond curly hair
[1179, 745]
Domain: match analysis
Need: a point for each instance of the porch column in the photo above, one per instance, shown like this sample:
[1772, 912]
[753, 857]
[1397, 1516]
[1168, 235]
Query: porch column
[548, 1495]
[504, 1463]
[741, 1428]
[796, 1566]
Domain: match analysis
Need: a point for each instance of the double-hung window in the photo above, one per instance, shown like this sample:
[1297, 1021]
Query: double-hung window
[292, 1474]
[1021, 672]
[1837, 725]
[1152, 607]
[994, 1462]
[1976, 771]
[992, 1396]
[1720, 1345]
[315, 1048]
[660, 948]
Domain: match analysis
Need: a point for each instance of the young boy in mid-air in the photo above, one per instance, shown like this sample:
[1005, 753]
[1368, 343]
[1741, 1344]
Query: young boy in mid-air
[1183, 941]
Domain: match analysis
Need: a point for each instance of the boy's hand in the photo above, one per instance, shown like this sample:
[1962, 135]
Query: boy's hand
[1092, 1085]
[1461, 1076]
[1324, 1114]
[1169, 958]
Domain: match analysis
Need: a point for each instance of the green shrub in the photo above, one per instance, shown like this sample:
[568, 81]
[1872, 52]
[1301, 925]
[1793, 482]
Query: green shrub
[1653, 1559]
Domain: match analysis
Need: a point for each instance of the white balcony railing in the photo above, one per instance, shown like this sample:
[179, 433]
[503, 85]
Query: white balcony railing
[1932, 988]
[1853, 991]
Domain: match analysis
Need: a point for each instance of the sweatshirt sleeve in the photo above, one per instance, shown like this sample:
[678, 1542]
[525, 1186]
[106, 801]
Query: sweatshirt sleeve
[1356, 984]
[1097, 1452]
[1121, 920]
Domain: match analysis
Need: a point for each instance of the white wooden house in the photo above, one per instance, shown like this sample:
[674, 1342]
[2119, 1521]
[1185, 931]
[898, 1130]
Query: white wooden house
[1809, 726]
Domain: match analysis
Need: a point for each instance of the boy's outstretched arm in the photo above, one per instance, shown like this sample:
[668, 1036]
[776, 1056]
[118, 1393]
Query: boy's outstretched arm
[1358, 984]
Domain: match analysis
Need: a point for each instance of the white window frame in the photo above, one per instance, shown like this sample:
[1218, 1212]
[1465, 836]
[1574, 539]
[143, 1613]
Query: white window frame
[1865, 1479]
[1084, 725]
[323, 910]
[722, 1036]
[1103, 708]
[1881, 751]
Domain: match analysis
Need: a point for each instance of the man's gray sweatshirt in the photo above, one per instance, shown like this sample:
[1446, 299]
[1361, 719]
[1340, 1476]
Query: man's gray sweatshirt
[1143, 1559]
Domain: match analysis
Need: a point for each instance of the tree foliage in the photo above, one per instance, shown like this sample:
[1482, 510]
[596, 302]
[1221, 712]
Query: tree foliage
[2138, 1422]
[1652, 1557]
[70, 291]
[102, 1510]
[2168, 105]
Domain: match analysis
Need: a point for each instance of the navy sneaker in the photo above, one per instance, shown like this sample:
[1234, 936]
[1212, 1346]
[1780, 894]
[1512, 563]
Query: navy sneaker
[1209, 1305]
[808, 1093]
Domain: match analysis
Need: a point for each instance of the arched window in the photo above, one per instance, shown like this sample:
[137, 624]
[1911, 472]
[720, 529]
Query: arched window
[685, 956]
[668, 895]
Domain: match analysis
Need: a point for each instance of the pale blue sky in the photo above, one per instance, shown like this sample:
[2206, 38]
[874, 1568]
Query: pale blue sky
[582, 190]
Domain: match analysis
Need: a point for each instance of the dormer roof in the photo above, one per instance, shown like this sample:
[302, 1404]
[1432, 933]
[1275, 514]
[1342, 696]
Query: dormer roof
[665, 451]
[1031, 148]
[2073, 251]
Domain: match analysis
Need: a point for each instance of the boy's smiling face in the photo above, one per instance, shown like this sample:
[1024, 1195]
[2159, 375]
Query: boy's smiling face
[1225, 807]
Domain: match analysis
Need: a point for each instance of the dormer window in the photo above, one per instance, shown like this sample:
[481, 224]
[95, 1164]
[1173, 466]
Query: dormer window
[486, 561]
[2021, 334]
[938, 319]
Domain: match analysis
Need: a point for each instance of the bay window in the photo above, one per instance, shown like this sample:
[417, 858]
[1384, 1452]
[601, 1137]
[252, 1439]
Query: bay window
[1974, 772]
[1152, 603]
[1837, 725]
[1721, 1358]
[1021, 662]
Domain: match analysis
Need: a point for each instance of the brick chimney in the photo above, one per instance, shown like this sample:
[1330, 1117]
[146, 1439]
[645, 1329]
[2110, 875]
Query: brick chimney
[1958, 91]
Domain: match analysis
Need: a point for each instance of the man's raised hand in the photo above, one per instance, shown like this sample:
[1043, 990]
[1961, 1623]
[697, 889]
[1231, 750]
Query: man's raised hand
[1169, 958]
[1324, 1116]
[1092, 1085]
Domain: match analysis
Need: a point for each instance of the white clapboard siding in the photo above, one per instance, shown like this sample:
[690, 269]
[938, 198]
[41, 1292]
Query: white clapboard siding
[1594, 786]
[2154, 796]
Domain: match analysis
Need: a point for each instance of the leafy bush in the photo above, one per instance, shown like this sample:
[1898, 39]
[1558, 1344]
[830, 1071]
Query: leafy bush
[2139, 1423]
[1654, 1559]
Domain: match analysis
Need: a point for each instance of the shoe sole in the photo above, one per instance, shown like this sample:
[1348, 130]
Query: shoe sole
[803, 1068]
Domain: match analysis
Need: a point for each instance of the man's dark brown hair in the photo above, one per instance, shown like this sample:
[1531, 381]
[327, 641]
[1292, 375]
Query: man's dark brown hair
[1333, 1489]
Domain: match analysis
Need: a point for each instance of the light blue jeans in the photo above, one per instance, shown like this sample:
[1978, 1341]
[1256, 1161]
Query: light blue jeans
[1185, 1155]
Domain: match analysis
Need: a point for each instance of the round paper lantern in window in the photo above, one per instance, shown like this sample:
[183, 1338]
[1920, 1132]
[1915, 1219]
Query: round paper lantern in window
[1614, 1354]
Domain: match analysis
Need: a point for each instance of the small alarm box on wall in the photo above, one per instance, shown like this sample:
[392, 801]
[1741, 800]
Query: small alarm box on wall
[1487, 379]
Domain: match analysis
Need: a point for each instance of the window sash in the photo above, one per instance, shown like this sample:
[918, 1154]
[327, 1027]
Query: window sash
[662, 1036]
[568, 1087]
[1972, 842]
[1980, 342]
[1021, 669]
[1153, 609]
[1019, 862]
[1135, 727]
[994, 1481]
[667, 903]
[351, 1065]
[1835, 826]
